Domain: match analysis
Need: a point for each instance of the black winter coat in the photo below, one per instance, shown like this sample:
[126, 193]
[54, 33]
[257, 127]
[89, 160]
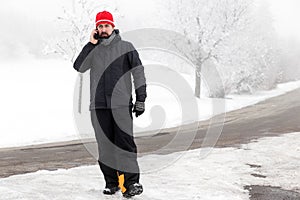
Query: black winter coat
[111, 67]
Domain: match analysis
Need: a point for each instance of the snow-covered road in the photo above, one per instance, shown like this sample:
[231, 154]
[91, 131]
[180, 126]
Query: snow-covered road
[221, 175]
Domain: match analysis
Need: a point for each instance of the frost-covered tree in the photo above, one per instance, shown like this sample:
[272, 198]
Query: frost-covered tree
[208, 24]
[250, 57]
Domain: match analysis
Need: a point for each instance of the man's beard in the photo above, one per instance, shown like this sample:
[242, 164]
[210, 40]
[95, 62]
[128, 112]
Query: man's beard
[104, 36]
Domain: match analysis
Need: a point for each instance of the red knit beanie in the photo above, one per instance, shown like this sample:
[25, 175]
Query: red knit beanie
[104, 17]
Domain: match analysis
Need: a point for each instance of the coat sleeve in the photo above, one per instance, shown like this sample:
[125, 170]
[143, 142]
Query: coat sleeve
[83, 61]
[137, 70]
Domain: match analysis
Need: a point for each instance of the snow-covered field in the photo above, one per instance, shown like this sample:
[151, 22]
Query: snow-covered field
[37, 103]
[219, 176]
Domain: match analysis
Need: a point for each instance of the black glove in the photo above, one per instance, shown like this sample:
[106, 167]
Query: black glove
[139, 108]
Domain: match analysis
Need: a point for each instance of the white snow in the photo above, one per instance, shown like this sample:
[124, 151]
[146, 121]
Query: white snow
[37, 103]
[219, 176]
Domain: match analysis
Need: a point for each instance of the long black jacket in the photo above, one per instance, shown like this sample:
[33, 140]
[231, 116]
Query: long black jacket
[111, 67]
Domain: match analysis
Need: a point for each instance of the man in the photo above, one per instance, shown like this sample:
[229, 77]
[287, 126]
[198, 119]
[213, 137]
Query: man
[112, 61]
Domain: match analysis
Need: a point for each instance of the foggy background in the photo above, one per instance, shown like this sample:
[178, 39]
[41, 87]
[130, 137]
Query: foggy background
[27, 27]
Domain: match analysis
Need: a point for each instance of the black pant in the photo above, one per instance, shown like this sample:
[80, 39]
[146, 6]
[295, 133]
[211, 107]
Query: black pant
[117, 150]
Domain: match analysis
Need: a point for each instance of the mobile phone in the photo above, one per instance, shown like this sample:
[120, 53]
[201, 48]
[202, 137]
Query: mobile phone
[96, 36]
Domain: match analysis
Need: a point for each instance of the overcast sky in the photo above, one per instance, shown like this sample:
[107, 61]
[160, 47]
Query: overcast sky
[286, 14]
[28, 23]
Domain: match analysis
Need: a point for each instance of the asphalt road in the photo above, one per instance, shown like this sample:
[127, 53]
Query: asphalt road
[274, 116]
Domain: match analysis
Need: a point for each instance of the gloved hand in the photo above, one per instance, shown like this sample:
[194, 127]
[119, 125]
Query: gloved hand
[139, 108]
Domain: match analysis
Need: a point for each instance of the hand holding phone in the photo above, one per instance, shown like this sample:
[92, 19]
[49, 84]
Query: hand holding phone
[94, 36]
